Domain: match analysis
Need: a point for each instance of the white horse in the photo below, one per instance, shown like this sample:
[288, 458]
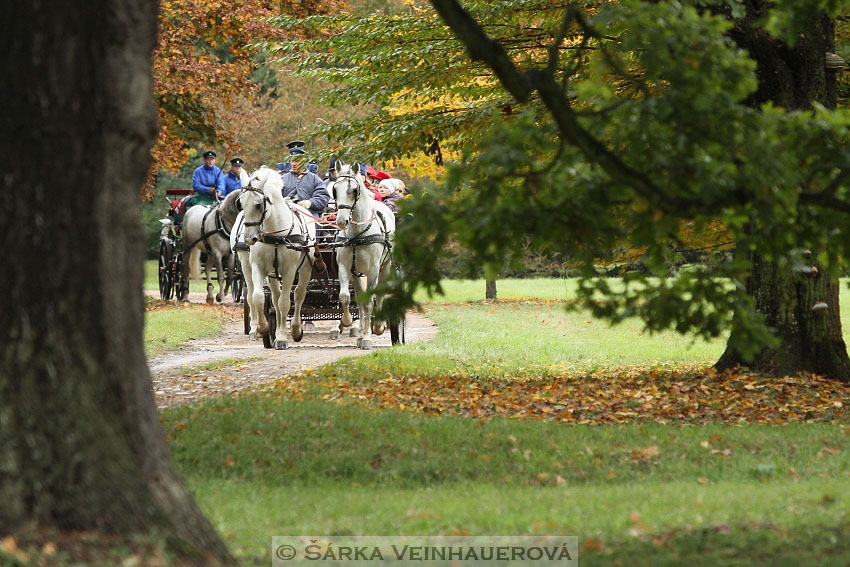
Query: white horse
[276, 235]
[208, 229]
[241, 250]
[366, 230]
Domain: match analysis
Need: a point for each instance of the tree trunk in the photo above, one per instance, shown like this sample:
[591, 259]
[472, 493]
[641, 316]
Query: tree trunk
[81, 447]
[490, 292]
[810, 339]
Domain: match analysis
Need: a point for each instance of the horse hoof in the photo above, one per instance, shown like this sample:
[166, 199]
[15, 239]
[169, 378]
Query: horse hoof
[218, 297]
[334, 335]
[210, 301]
[280, 345]
[309, 326]
[267, 340]
[252, 337]
[354, 332]
[297, 334]
[378, 329]
[364, 344]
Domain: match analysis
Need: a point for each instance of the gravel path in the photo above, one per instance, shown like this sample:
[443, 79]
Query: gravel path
[191, 371]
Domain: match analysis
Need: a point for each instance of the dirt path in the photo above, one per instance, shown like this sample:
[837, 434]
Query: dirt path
[190, 372]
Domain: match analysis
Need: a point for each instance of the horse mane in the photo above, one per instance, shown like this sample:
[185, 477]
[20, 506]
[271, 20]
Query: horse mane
[229, 209]
[270, 182]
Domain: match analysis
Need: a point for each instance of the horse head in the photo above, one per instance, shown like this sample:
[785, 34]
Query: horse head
[255, 200]
[348, 191]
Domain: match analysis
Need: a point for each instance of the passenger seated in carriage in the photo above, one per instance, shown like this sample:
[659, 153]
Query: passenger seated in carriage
[390, 189]
[332, 174]
[370, 180]
[208, 184]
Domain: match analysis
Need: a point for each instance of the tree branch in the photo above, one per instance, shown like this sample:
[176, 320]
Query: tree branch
[522, 84]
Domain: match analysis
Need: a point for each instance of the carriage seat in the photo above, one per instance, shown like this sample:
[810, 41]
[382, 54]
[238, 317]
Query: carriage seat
[177, 207]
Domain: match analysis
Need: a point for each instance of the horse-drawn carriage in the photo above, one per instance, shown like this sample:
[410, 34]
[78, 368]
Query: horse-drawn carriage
[291, 247]
[324, 258]
[204, 231]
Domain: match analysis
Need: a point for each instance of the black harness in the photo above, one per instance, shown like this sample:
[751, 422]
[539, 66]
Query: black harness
[297, 242]
[219, 229]
[358, 239]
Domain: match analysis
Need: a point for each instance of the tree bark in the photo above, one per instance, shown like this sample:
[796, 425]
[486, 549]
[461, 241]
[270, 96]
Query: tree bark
[809, 339]
[490, 291]
[81, 447]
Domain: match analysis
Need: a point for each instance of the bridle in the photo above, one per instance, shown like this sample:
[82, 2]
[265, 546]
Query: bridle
[264, 200]
[349, 190]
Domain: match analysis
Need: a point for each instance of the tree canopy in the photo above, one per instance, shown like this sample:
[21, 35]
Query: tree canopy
[204, 70]
[586, 128]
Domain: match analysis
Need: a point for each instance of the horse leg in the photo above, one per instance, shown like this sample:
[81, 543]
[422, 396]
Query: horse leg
[379, 326]
[186, 269]
[220, 274]
[365, 309]
[248, 274]
[281, 303]
[304, 274]
[207, 266]
[259, 323]
[228, 262]
[344, 260]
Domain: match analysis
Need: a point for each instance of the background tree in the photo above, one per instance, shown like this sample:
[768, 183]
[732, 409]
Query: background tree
[206, 77]
[81, 447]
[789, 291]
[593, 127]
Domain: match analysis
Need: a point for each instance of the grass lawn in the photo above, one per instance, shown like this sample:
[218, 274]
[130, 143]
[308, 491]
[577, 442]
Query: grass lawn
[167, 327]
[285, 462]
[264, 465]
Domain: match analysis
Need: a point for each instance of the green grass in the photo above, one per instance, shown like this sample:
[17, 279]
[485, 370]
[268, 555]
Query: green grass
[473, 290]
[167, 328]
[151, 280]
[262, 465]
[511, 339]
[640, 494]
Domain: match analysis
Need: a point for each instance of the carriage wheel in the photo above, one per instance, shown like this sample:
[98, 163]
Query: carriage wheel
[166, 282]
[397, 330]
[181, 284]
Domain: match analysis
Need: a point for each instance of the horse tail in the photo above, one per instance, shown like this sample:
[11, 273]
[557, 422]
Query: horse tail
[195, 264]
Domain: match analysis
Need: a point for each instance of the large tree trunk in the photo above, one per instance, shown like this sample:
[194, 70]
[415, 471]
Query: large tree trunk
[809, 339]
[81, 446]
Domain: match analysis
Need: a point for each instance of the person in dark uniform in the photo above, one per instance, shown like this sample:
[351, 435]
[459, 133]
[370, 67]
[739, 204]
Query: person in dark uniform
[233, 179]
[208, 184]
[304, 187]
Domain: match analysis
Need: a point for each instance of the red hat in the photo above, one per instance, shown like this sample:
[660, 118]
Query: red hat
[370, 171]
[383, 175]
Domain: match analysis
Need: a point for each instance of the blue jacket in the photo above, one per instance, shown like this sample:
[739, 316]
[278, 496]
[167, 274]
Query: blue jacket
[231, 183]
[206, 177]
[307, 186]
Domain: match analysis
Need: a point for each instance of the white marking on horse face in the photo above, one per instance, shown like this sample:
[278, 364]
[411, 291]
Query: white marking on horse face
[253, 209]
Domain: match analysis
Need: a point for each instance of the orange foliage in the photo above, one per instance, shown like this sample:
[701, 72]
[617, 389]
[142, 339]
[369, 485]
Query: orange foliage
[202, 66]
